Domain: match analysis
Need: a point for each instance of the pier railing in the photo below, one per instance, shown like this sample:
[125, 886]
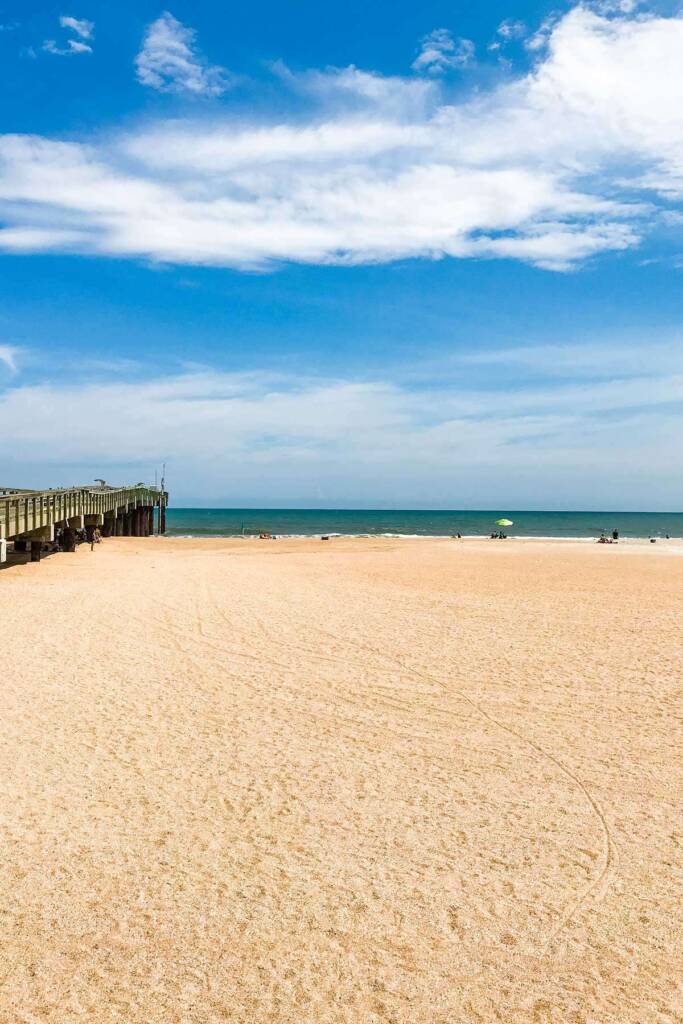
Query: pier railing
[29, 512]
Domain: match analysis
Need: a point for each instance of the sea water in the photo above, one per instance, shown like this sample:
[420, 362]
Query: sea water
[283, 522]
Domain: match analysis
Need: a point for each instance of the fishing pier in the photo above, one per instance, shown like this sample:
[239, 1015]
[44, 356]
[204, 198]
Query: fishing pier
[32, 519]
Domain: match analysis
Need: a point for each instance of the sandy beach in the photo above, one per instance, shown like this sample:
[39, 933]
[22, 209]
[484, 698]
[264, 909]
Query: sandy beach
[412, 782]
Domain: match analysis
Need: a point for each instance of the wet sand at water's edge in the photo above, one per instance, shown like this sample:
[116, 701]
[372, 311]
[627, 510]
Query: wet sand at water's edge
[412, 782]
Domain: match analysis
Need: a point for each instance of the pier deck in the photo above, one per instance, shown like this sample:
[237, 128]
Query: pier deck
[32, 517]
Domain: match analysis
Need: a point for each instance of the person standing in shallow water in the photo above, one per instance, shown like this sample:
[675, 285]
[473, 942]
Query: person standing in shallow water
[615, 535]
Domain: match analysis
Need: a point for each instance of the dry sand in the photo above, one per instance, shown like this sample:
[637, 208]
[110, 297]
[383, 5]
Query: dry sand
[417, 782]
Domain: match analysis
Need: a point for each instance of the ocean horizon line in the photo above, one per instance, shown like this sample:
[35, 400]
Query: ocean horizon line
[436, 511]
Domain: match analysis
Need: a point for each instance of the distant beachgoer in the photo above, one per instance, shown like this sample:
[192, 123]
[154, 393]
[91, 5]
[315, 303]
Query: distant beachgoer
[615, 535]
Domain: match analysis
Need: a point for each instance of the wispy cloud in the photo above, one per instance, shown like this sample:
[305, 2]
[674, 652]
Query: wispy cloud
[72, 47]
[511, 28]
[354, 90]
[508, 30]
[170, 62]
[8, 357]
[440, 52]
[622, 358]
[80, 26]
[275, 435]
[581, 156]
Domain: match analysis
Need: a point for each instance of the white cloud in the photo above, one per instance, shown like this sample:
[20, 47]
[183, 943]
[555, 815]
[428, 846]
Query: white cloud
[169, 62]
[508, 30]
[80, 26]
[608, 7]
[280, 436]
[72, 47]
[352, 88]
[619, 358]
[440, 52]
[581, 156]
[540, 38]
[511, 29]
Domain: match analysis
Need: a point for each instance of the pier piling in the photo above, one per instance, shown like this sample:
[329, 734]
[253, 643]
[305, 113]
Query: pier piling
[68, 539]
[29, 519]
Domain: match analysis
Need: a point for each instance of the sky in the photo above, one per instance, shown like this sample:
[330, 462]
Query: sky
[344, 255]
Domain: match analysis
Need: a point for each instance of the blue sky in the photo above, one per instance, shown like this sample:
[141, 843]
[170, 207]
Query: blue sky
[360, 254]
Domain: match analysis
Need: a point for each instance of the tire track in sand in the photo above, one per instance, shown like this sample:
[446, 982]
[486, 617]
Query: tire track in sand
[597, 885]
[609, 850]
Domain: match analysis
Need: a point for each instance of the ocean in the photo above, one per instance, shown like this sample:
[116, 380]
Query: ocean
[284, 522]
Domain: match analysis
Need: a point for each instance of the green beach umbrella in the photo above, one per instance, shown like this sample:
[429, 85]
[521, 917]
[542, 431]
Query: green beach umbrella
[504, 522]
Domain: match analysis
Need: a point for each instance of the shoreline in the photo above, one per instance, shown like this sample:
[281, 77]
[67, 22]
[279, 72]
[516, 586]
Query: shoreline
[420, 537]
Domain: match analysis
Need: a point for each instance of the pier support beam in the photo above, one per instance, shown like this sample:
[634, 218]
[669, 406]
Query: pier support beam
[118, 524]
[36, 550]
[45, 534]
[109, 524]
[76, 522]
[3, 550]
[162, 517]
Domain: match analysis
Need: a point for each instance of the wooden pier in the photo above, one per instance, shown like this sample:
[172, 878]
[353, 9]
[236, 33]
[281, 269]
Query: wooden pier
[32, 519]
